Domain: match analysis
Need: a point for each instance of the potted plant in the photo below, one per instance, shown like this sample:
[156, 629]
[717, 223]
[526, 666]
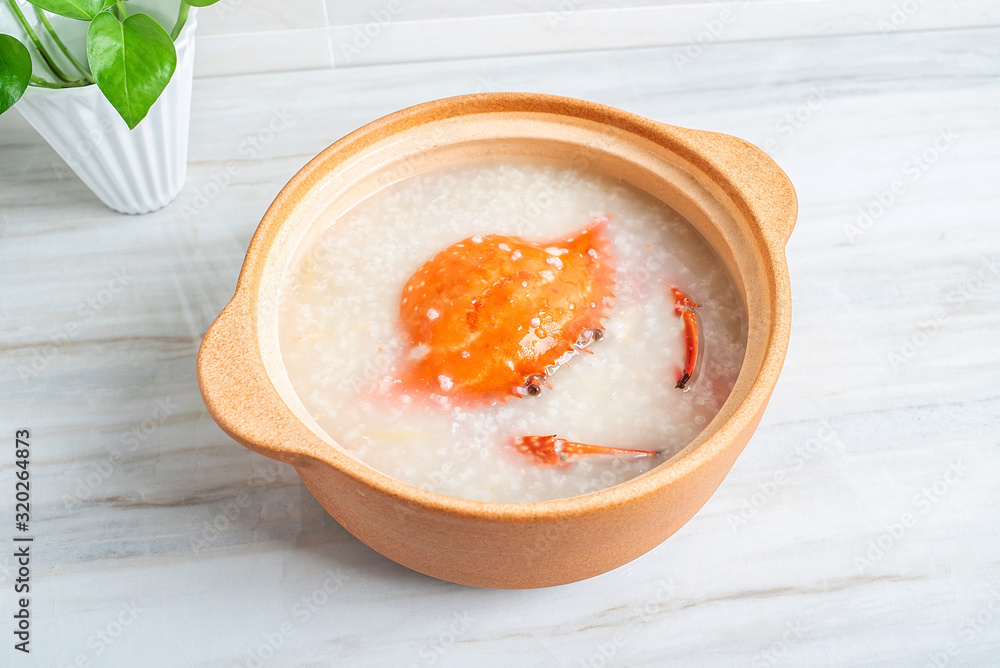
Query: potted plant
[108, 84]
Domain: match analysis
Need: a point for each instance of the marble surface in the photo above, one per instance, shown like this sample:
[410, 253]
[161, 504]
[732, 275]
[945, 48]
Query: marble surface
[859, 527]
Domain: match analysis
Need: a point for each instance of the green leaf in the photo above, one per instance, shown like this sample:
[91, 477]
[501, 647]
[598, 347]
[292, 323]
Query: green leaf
[201, 3]
[132, 61]
[15, 71]
[84, 10]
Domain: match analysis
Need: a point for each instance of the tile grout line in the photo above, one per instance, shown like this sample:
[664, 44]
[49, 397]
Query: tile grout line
[329, 35]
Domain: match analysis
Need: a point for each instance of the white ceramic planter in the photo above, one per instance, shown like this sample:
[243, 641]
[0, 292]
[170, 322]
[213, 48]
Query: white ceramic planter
[131, 171]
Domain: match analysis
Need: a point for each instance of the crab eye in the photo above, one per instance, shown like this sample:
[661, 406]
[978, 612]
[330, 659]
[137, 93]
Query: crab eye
[533, 384]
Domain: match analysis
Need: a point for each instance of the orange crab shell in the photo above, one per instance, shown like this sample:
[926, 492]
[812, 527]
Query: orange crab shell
[486, 313]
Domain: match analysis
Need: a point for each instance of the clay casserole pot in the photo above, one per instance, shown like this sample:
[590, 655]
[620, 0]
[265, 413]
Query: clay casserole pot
[733, 193]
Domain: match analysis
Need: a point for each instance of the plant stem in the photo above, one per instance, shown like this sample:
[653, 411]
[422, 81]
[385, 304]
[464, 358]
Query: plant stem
[182, 15]
[58, 73]
[62, 47]
[42, 83]
[123, 13]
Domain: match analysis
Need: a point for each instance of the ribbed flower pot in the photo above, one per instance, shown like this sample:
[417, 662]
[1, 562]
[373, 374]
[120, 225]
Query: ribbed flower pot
[131, 171]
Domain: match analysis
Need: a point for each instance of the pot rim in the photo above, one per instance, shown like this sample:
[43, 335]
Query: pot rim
[759, 193]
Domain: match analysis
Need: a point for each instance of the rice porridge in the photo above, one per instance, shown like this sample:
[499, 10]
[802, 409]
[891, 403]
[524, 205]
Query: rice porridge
[346, 347]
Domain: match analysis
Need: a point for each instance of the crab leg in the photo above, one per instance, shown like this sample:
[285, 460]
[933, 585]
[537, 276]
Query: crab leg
[551, 450]
[685, 309]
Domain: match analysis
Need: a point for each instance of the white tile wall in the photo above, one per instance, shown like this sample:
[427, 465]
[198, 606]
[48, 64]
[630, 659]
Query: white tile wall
[233, 17]
[245, 36]
[343, 12]
[263, 51]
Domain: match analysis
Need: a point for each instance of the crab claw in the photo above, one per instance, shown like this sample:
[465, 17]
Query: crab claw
[685, 309]
[551, 450]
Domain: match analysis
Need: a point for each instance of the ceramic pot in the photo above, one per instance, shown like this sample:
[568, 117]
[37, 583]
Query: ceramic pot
[131, 171]
[728, 189]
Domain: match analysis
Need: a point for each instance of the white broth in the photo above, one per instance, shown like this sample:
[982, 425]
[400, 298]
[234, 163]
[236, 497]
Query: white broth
[342, 343]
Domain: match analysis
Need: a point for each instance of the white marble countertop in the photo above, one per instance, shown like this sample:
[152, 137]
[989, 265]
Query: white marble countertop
[880, 544]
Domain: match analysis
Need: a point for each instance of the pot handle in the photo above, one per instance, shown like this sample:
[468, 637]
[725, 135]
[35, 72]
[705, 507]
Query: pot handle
[747, 176]
[239, 394]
